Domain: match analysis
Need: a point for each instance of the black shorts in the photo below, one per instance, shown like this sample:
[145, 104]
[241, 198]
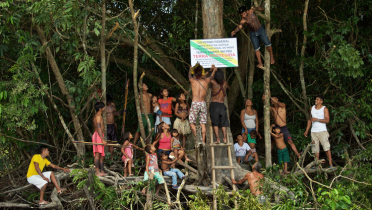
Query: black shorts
[285, 131]
[218, 112]
[111, 133]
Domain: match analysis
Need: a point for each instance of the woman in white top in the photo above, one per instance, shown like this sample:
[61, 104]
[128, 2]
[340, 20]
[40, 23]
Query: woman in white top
[249, 120]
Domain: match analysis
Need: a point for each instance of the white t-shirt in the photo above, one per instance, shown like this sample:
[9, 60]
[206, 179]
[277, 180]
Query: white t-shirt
[241, 151]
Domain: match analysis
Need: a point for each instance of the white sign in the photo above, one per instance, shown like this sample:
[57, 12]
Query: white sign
[220, 52]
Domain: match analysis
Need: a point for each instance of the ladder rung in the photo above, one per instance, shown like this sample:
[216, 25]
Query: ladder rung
[223, 167]
[220, 145]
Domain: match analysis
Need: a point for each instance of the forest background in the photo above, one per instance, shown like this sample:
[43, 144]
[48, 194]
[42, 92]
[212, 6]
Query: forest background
[51, 65]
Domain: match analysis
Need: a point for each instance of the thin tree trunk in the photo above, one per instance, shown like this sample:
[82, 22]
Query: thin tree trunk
[103, 66]
[196, 19]
[65, 92]
[135, 64]
[267, 90]
[302, 79]
[251, 69]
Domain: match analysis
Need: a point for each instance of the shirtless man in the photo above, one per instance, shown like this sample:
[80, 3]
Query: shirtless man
[256, 32]
[99, 150]
[147, 102]
[199, 85]
[111, 126]
[253, 181]
[279, 113]
[217, 108]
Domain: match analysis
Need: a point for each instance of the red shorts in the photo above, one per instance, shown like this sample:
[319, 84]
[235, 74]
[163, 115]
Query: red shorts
[98, 148]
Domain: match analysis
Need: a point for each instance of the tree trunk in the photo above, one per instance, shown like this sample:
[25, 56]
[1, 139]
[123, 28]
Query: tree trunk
[213, 28]
[103, 66]
[302, 79]
[135, 64]
[243, 62]
[267, 90]
[251, 69]
[65, 92]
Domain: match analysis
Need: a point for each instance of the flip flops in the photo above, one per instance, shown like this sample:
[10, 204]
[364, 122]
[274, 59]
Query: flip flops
[175, 187]
[185, 177]
[44, 203]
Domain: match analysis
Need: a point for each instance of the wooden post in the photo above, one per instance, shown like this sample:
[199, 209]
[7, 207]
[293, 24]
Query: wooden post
[103, 65]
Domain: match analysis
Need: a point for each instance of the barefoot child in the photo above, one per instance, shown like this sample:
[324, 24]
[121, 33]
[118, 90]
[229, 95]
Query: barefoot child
[127, 151]
[182, 123]
[283, 155]
[241, 149]
[152, 164]
[176, 146]
[99, 150]
[172, 172]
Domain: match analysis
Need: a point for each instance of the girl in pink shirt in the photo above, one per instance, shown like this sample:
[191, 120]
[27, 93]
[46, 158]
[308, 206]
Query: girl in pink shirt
[127, 151]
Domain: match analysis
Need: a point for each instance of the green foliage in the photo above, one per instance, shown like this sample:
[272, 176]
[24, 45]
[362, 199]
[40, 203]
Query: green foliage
[334, 199]
[245, 200]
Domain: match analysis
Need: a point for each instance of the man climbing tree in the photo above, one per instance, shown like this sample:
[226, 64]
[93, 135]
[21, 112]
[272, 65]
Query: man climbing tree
[256, 32]
[279, 113]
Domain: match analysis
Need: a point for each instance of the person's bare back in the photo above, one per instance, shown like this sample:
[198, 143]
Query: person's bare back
[218, 94]
[254, 182]
[200, 86]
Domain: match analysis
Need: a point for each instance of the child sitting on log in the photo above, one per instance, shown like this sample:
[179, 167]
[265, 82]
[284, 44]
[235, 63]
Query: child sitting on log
[241, 149]
[152, 166]
[127, 151]
[168, 171]
[178, 150]
[283, 154]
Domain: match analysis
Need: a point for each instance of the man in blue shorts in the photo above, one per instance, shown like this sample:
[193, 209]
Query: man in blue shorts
[256, 32]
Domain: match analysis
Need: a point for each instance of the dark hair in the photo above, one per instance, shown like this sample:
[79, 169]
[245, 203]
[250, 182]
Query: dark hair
[41, 148]
[99, 105]
[321, 97]
[163, 153]
[242, 9]
[161, 92]
[254, 132]
[219, 77]
[148, 148]
[198, 72]
[275, 127]
[126, 136]
[160, 130]
[109, 98]
[257, 166]
[174, 131]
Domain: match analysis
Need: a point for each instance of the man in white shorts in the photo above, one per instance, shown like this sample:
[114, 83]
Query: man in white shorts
[319, 118]
[41, 180]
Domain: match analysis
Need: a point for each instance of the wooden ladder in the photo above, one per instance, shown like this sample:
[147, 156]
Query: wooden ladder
[214, 167]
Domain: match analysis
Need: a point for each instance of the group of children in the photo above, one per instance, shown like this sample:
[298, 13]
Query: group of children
[247, 151]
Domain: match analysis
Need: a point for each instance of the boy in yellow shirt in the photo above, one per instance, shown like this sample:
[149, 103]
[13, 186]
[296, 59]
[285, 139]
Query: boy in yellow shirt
[39, 179]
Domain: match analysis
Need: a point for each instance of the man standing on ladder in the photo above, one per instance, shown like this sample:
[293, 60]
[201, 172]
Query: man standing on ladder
[217, 108]
[199, 85]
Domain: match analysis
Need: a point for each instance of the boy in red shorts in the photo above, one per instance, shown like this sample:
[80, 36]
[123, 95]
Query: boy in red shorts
[99, 150]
